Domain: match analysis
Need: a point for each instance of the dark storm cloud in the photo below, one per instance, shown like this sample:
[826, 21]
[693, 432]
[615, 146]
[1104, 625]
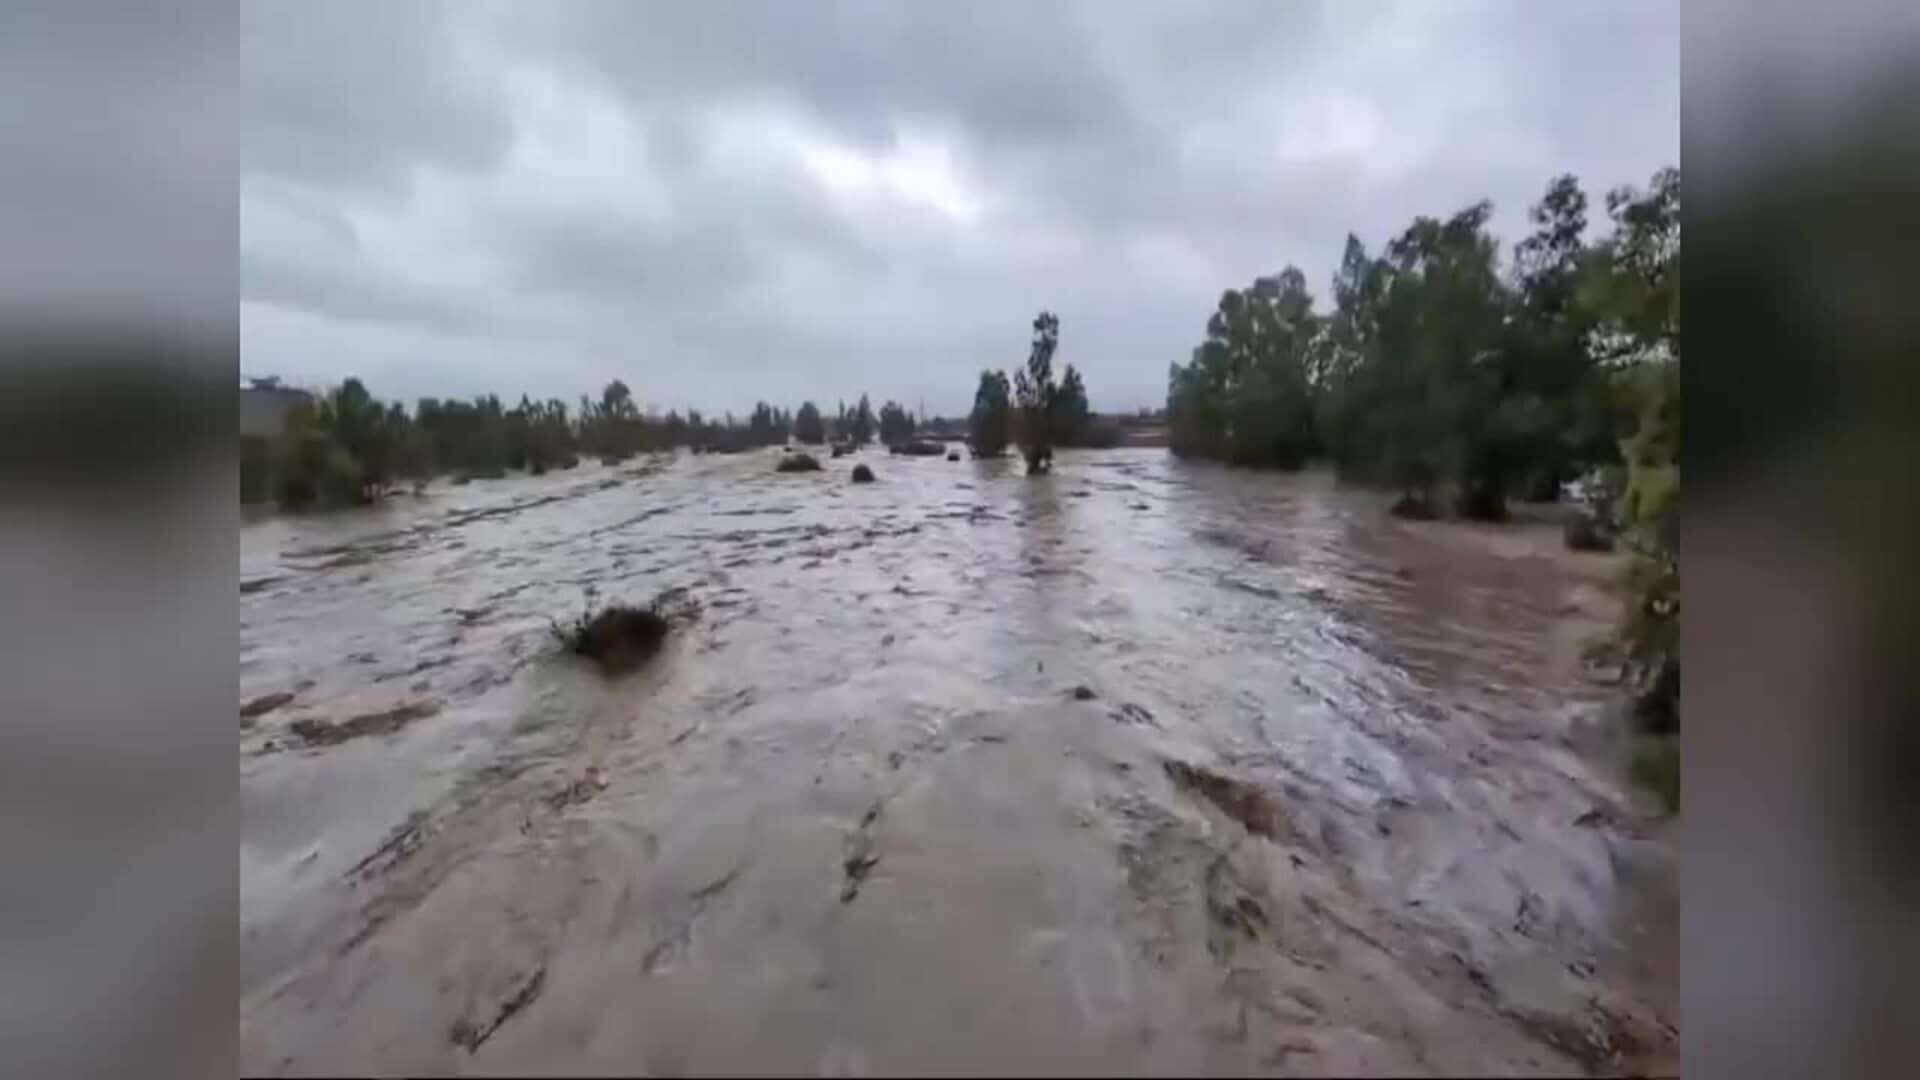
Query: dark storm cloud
[719, 202]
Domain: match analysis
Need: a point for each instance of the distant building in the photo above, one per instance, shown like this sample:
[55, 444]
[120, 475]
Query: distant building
[264, 405]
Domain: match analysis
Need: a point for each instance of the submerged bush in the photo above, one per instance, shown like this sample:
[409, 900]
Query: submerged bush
[618, 637]
[314, 470]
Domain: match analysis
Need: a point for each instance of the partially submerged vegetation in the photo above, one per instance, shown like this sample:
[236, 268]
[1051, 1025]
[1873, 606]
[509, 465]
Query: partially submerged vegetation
[1036, 395]
[988, 428]
[1464, 387]
[345, 447]
[621, 637]
[808, 426]
[1438, 372]
[1456, 381]
[618, 638]
[1033, 410]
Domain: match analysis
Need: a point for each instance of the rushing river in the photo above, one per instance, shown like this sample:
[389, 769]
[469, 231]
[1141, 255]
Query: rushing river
[1142, 766]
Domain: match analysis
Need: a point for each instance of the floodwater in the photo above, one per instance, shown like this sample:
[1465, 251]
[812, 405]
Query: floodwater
[1337, 796]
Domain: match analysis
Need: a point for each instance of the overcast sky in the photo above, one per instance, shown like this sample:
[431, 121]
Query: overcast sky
[723, 202]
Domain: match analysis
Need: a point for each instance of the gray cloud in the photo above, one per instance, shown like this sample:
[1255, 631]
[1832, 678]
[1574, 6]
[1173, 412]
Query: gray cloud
[722, 202]
[116, 191]
[357, 94]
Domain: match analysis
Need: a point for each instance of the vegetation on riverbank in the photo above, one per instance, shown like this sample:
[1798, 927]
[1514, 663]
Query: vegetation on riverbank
[345, 447]
[1458, 381]
[1438, 371]
[1034, 411]
[1464, 385]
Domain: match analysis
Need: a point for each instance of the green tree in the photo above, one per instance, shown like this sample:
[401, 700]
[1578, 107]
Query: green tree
[896, 424]
[1411, 368]
[1034, 391]
[988, 425]
[311, 468]
[617, 400]
[549, 441]
[356, 421]
[764, 426]
[1555, 413]
[1634, 278]
[1245, 397]
[808, 426]
[860, 423]
[1072, 419]
[1633, 284]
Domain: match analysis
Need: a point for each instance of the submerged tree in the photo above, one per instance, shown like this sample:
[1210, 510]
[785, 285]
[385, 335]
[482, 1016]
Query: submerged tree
[766, 425]
[896, 424]
[1411, 374]
[860, 424]
[1634, 286]
[1245, 396]
[808, 427]
[988, 426]
[1072, 416]
[1034, 392]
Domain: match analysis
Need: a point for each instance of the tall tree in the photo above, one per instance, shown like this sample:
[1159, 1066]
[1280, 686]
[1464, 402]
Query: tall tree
[1554, 414]
[860, 423]
[764, 427]
[1034, 391]
[988, 425]
[1634, 287]
[1072, 419]
[896, 424]
[617, 400]
[808, 426]
[1245, 397]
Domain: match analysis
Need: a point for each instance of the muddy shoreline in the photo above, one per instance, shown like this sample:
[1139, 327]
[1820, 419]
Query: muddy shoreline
[1340, 797]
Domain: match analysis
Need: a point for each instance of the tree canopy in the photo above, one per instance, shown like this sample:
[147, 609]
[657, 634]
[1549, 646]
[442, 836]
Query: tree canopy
[896, 424]
[1437, 367]
[808, 427]
[989, 425]
[860, 423]
[1034, 392]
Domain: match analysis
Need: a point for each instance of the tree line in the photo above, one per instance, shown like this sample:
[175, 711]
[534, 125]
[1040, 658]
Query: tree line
[1439, 371]
[345, 446]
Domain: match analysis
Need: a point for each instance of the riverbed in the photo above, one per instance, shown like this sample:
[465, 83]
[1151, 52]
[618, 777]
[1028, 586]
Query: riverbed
[1143, 766]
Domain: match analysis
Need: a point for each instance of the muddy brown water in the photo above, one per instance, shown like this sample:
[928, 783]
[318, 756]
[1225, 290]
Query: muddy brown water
[1342, 800]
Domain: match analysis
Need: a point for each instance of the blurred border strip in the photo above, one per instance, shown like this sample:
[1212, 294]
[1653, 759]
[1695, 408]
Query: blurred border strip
[118, 537]
[1802, 519]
